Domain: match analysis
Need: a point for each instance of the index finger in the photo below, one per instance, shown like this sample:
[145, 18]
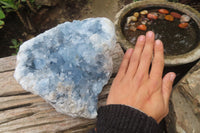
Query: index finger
[158, 61]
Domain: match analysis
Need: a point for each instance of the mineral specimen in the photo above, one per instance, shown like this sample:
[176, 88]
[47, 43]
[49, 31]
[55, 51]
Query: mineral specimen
[132, 18]
[161, 16]
[185, 18]
[163, 11]
[68, 65]
[133, 28]
[142, 27]
[152, 16]
[176, 15]
[169, 18]
[136, 14]
[144, 12]
[183, 25]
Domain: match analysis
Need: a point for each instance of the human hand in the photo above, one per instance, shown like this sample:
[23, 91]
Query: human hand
[135, 86]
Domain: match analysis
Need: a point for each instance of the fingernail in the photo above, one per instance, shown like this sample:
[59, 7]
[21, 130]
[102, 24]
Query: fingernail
[150, 34]
[141, 38]
[129, 51]
[158, 42]
[172, 77]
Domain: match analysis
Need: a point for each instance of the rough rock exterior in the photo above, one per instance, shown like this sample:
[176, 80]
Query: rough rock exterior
[184, 116]
[69, 65]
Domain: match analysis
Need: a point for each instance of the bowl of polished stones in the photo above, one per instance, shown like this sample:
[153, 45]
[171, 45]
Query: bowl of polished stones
[177, 25]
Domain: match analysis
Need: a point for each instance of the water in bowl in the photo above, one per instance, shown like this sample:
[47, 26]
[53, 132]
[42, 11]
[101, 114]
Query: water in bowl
[176, 40]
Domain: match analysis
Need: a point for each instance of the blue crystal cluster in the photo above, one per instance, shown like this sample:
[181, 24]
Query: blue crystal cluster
[68, 65]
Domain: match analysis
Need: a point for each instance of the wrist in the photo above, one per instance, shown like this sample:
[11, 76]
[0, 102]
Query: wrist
[125, 119]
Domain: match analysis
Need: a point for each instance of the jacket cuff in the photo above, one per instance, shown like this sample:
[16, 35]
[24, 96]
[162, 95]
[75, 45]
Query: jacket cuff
[124, 119]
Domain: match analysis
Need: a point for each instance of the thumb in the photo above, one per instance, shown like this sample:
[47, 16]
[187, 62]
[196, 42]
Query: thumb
[167, 86]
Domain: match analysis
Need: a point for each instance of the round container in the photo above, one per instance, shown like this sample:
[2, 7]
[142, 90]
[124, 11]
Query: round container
[170, 60]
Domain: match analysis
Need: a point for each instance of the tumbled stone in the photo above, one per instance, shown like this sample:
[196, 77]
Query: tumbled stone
[176, 15]
[133, 28]
[161, 16]
[142, 27]
[185, 18]
[163, 11]
[169, 18]
[152, 16]
[183, 25]
[136, 14]
[68, 65]
[144, 12]
[131, 18]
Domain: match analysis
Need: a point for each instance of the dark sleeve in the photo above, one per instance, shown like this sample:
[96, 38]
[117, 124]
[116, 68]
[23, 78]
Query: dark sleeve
[124, 119]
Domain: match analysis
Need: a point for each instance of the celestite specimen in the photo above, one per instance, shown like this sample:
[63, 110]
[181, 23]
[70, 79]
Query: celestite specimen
[68, 65]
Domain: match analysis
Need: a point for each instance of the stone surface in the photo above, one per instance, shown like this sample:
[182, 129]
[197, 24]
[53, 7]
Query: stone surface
[184, 114]
[69, 65]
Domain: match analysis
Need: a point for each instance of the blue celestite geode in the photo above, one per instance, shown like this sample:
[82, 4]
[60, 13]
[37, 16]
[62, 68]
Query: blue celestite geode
[68, 65]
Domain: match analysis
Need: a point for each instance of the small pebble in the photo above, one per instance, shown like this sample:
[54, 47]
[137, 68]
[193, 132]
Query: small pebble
[161, 16]
[154, 13]
[163, 11]
[152, 16]
[126, 27]
[142, 27]
[144, 22]
[185, 18]
[132, 24]
[169, 17]
[141, 18]
[146, 19]
[149, 23]
[144, 12]
[136, 14]
[132, 18]
[183, 25]
[133, 28]
[175, 14]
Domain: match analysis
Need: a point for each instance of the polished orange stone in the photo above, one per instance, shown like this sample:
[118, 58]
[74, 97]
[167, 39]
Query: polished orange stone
[163, 11]
[175, 14]
[142, 27]
[169, 17]
[183, 25]
[152, 16]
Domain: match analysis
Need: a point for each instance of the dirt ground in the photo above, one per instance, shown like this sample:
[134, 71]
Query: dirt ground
[48, 17]
[65, 10]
